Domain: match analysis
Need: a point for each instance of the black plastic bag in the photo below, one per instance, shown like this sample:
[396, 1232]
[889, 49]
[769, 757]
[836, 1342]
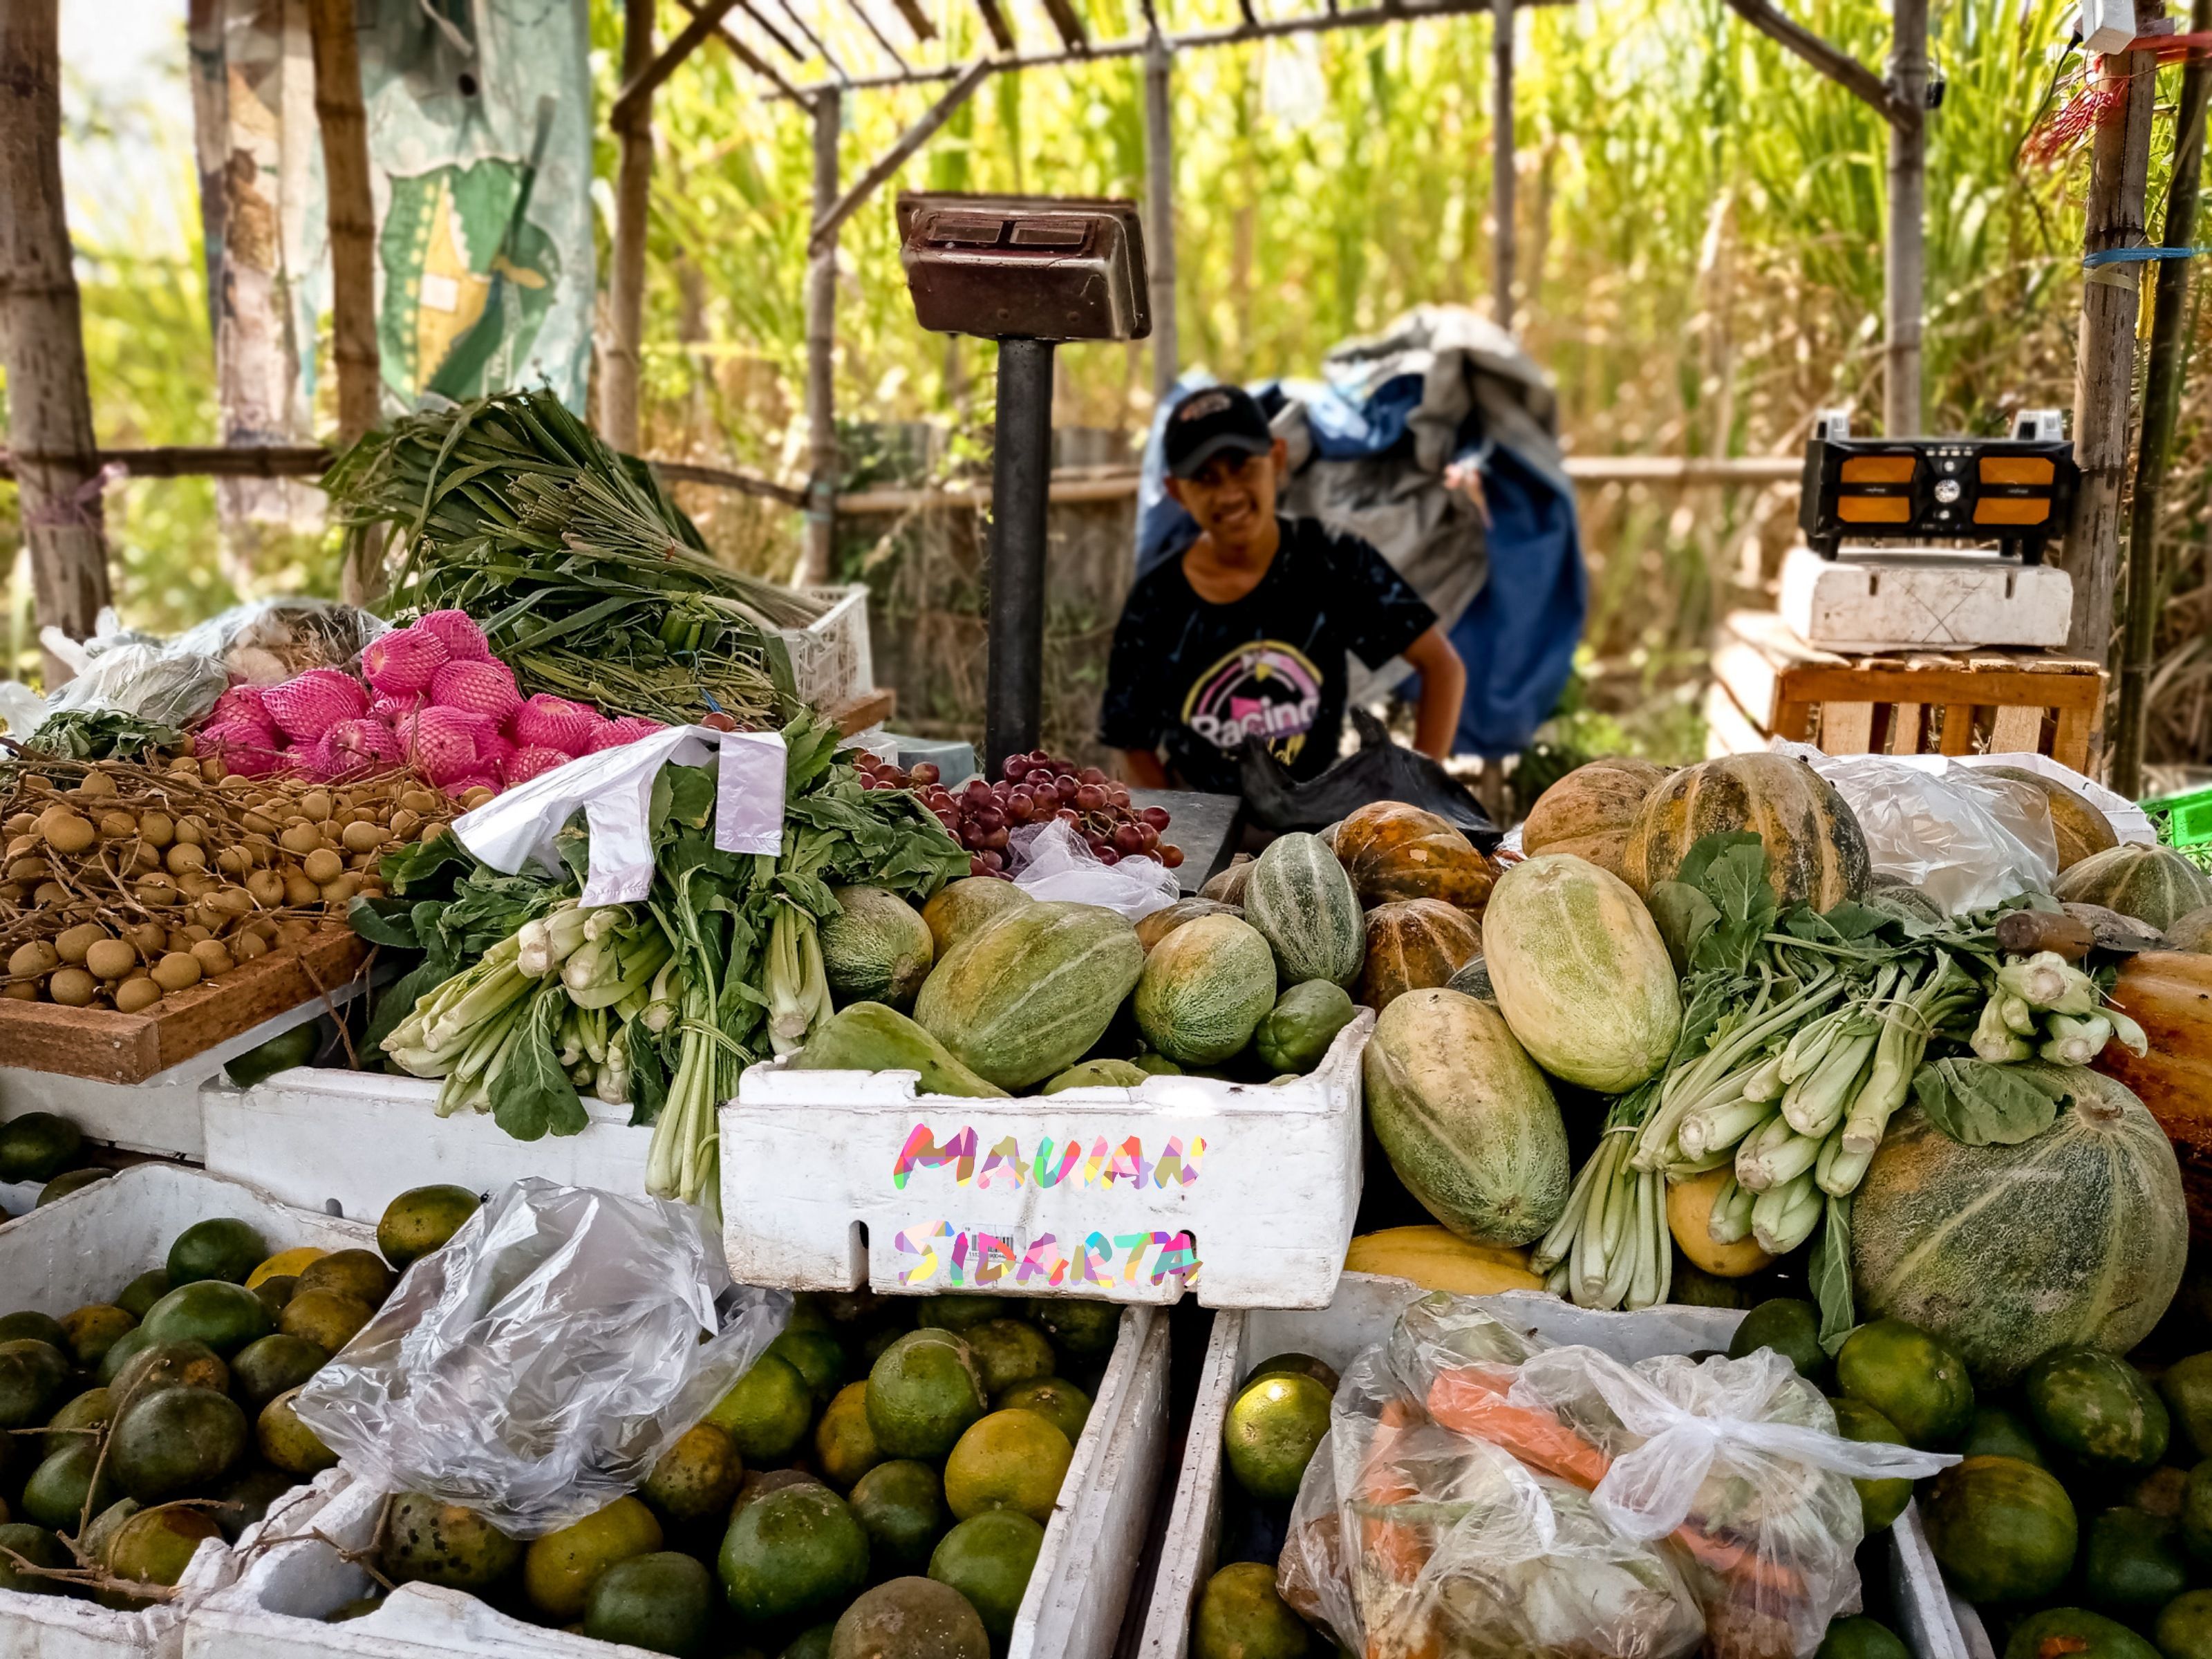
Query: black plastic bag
[1382, 771]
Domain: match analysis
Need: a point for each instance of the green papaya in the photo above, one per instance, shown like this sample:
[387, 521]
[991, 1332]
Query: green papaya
[868, 1036]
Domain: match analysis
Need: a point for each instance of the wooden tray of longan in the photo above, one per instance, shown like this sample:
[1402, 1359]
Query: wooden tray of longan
[110, 1047]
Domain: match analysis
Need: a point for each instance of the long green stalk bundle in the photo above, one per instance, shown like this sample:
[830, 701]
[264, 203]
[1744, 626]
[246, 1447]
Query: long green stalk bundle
[590, 581]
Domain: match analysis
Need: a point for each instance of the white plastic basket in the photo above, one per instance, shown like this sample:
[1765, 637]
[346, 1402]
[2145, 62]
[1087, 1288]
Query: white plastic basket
[1077, 1592]
[358, 1140]
[83, 1248]
[1244, 1193]
[831, 661]
[1366, 1307]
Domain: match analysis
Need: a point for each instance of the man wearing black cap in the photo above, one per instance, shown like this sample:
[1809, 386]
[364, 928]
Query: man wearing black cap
[1245, 634]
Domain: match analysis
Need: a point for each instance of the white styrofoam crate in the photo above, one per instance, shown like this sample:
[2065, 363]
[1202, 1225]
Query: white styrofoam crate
[1072, 1610]
[1930, 600]
[162, 1113]
[358, 1140]
[83, 1248]
[1365, 1309]
[1244, 1194]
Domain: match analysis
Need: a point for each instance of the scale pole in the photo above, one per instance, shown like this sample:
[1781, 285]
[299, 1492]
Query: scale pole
[1021, 471]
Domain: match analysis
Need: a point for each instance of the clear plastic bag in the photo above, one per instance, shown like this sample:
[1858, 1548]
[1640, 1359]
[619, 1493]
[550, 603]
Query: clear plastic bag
[1484, 1492]
[1967, 840]
[268, 642]
[535, 1368]
[1053, 862]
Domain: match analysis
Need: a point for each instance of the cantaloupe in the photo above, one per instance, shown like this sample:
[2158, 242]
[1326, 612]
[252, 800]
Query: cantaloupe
[1203, 989]
[1437, 1260]
[1393, 852]
[2169, 994]
[2077, 1235]
[1464, 1118]
[1162, 922]
[877, 948]
[958, 908]
[1227, 886]
[1587, 813]
[2193, 932]
[1816, 853]
[1027, 994]
[2083, 830]
[1413, 945]
[1580, 973]
[2154, 885]
[1302, 902]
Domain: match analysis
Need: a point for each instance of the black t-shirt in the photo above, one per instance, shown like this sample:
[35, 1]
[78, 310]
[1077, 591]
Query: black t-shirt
[1196, 678]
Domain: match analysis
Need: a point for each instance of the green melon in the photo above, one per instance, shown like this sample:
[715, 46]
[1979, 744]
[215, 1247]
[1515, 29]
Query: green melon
[2154, 885]
[1204, 989]
[1028, 992]
[2077, 1235]
[1465, 1117]
[961, 907]
[2002, 1530]
[875, 949]
[1816, 853]
[1580, 973]
[1302, 902]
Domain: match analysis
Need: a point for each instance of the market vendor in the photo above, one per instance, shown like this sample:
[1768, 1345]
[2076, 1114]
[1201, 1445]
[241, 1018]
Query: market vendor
[1244, 634]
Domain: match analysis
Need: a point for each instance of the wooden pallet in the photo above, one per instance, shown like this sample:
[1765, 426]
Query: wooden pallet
[1768, 682]
[116, 1047]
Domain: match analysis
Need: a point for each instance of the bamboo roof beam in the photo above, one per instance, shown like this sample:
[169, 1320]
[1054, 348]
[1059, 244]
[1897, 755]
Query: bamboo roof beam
[994, 19]
[916, 19]
[637, 90]
[882, 40]
[825, 232]
[1070, 28]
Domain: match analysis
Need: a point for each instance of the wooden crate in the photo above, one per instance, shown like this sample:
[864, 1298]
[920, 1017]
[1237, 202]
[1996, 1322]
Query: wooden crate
[116, 1047]
[1767, 683]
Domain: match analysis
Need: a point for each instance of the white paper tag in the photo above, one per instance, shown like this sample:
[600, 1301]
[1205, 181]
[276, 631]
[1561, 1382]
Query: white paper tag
[749, 796]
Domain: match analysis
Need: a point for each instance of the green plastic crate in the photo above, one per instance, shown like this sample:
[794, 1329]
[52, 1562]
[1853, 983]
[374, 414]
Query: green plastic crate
[2183, 823]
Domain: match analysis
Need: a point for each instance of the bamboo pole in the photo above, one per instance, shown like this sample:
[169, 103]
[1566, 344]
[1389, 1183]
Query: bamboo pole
[814, 559]
[1501, 163]
[619, 390]
[2104, 370]
[1159, 215]
[352, 211]
[1904, 254]
[42, 327]
[2162, 384]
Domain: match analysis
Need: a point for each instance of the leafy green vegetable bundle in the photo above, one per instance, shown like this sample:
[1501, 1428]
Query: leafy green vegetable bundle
[1802, 1033]
[590, 583]
[526, 996]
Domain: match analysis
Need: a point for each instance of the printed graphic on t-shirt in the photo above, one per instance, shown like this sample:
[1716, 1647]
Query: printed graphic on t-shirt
[1267, 689]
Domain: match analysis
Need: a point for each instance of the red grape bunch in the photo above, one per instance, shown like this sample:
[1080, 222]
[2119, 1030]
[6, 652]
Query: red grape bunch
[1033, 788]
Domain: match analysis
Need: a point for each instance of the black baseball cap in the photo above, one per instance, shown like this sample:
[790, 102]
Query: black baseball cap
[1212, 420]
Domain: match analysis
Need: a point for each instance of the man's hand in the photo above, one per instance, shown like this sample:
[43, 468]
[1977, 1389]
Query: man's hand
[1444, 685]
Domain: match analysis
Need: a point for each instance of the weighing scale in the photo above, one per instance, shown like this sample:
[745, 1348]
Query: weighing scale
[1889, 560]
[1030, 272]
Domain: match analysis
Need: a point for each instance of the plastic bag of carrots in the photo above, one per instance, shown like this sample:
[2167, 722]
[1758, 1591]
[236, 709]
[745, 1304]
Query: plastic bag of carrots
[1486, 1491]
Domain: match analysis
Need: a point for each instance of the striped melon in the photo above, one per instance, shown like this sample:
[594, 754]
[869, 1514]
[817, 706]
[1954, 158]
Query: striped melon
[2081, 830]
[1227, 886]
[958, 908]
[1393, 851]
[2077, 1235]
[1162, 922]
[1815, 852]
[1204, 987]
[1465, 1117]
[2153, 884]
[2193, 932]
[877, 948]
[1413, 945]
[1302, 902]
[1027, 994]
[1587, 813]
[1580, 972]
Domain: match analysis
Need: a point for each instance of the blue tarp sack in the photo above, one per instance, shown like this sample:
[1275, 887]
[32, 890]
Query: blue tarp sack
[1370, 444]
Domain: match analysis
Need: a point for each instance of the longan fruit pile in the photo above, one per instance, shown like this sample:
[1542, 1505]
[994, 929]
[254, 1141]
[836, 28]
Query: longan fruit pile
[121, 883]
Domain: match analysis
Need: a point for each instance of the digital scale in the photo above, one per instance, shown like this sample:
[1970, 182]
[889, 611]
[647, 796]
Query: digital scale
[1890, 560]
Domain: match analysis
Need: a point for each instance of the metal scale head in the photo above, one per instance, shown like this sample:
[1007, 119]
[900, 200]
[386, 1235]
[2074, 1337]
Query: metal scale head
[2017, 491]
[1025, 267]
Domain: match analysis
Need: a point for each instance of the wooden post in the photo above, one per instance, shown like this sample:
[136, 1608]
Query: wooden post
[1159, 214]
[814, 562]
[1501, 156]
[351, 211]
[2103, 372]
[1903, 258]
[618, 393]
[49, 402]
[2162, 383]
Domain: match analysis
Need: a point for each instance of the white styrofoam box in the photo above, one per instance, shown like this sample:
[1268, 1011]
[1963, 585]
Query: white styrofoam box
[162, 1113]
[83, 1248]
[1073, 1608]
[1365, 1309]
[1925, 599]
[1244, 1193]
[358, 1140]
